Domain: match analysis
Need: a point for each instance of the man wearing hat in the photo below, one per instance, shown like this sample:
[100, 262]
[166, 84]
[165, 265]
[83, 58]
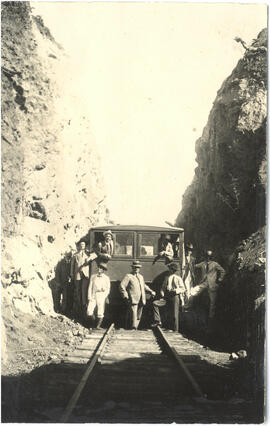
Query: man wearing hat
[188, 270]
[64, 286]
[166, 250]
[132, 289]
[105, 248]
[172, 292]
[211, 275]
[79, 272]
[98, 292]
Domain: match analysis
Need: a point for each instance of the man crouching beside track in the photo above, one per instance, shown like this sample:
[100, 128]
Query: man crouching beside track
[132, 289]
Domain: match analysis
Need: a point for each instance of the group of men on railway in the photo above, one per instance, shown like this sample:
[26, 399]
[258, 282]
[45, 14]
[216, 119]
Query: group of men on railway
[87, 297]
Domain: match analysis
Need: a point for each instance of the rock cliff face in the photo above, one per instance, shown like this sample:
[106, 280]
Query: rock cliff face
[52, 189]
[226, 201]
[224, 207]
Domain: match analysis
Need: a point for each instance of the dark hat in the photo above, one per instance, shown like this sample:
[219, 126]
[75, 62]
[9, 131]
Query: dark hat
[103, 266]
[173, 266]
[189, 246]
[136, 263]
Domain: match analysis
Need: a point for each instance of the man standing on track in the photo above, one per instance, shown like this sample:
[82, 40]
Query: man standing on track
[98, 292]
[171, 292]
[132, 289]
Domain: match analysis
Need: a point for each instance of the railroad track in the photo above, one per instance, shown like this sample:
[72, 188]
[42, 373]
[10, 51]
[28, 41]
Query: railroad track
[146, 376]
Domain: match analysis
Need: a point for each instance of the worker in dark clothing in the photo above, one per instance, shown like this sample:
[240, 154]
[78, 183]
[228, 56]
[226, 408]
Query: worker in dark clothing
[157, 283]
[63, 298]
[211, 276]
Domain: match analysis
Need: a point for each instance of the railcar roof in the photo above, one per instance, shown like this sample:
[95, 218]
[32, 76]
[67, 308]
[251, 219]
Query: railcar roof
[137, 228]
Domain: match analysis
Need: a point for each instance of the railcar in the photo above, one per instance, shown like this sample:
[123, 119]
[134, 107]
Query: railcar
[134, 242]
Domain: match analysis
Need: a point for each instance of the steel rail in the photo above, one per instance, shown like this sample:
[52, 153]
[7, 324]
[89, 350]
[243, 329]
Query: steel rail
[76, 395]
[180, 362]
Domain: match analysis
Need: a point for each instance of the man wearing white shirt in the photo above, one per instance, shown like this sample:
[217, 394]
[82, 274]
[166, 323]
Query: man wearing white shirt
[172, 291]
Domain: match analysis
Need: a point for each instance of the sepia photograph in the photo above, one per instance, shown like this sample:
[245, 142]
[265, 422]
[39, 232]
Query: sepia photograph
[134, 176]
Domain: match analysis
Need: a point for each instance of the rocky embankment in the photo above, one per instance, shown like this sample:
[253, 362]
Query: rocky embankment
[224, 207]
[52, 190]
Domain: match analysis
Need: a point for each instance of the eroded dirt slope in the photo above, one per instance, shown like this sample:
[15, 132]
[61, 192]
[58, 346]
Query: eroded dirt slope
[52, 187]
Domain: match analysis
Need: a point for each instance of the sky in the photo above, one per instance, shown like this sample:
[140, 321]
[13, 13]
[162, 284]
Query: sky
[148, 74]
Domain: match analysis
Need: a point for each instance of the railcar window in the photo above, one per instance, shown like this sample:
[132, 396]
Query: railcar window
[123, 244]
[149, 244]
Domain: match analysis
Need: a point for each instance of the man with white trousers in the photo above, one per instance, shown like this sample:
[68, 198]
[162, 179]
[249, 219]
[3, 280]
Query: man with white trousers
[98, 292]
